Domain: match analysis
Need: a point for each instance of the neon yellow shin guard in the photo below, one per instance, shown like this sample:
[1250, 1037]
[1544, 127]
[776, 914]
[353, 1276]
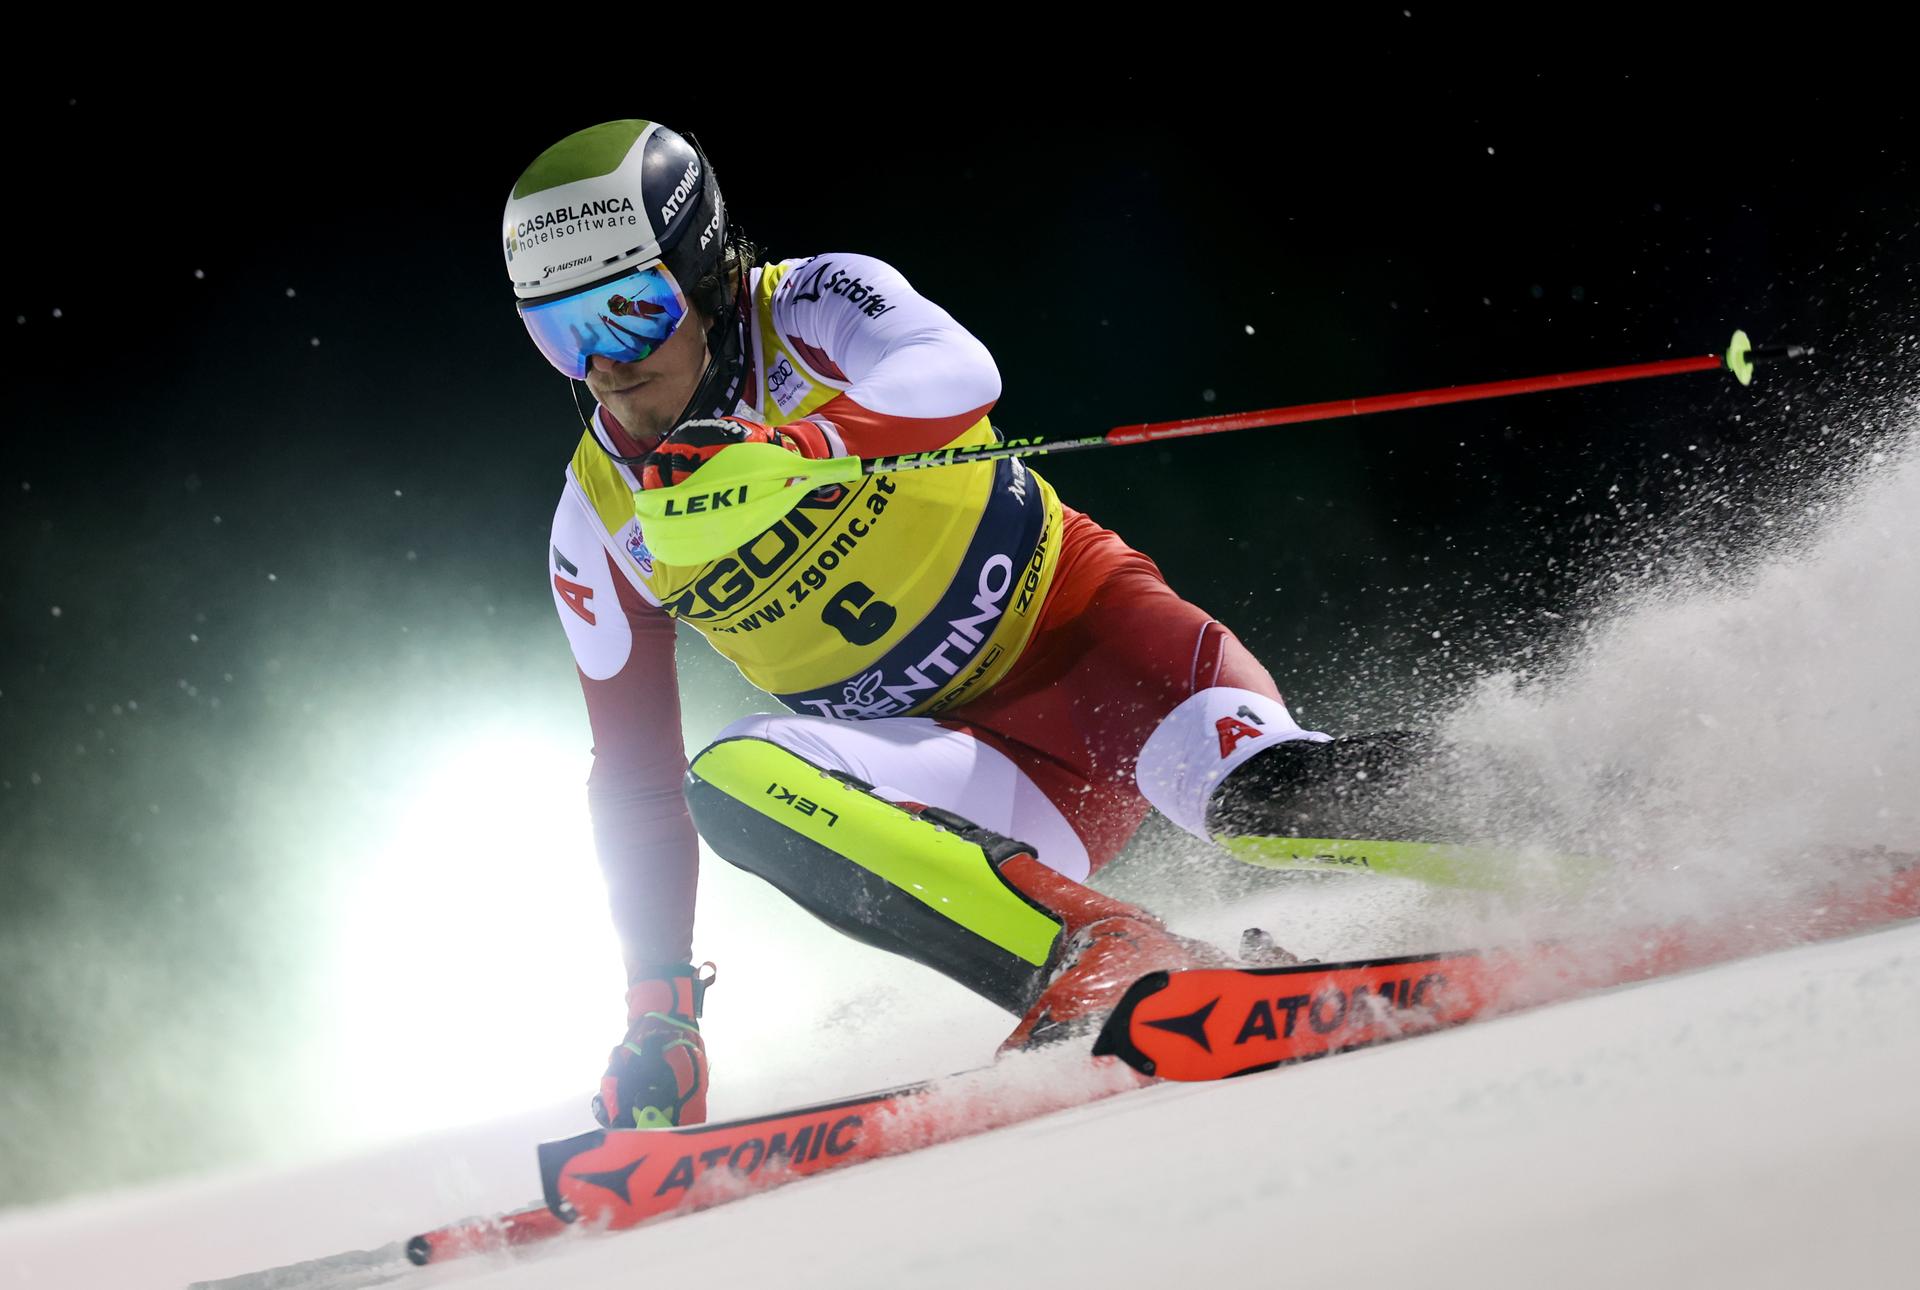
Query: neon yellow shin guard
[925, 885]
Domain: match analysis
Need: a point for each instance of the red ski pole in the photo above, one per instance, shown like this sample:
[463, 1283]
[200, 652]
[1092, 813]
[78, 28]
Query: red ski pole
[1738, 359]
[746, 488]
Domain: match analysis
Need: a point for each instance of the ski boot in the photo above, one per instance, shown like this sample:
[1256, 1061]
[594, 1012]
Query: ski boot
[1105, 946]
[1360, 786]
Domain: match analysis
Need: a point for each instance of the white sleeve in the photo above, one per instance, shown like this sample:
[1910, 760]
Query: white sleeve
[585, 592]
[858, 321]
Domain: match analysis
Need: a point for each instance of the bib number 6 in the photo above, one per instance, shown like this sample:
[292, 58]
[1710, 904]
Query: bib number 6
[873, 619]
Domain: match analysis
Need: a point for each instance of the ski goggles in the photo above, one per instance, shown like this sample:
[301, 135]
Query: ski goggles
[625, 318]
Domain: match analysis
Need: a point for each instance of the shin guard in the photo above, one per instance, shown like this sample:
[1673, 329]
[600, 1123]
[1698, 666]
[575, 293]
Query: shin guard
[925, 883]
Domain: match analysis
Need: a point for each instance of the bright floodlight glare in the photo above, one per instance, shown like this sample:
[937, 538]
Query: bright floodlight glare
[477, 972]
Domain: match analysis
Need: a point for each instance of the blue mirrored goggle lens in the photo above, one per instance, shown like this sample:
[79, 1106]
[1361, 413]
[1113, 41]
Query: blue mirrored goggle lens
[625, 318]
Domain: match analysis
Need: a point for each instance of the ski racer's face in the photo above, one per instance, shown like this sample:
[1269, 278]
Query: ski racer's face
[646, 396]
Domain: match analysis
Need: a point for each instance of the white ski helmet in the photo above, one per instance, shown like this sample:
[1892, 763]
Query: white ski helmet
[612, 236]
[613, 196]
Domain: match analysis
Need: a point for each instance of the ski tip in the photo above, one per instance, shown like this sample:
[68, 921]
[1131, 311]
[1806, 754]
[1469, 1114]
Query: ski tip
[1739, 358]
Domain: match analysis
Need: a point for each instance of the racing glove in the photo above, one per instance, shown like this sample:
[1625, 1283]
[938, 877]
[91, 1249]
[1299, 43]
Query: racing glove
[657, 1077]
[694, 443]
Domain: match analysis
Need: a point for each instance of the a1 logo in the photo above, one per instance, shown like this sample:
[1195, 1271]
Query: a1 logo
[1233, 731]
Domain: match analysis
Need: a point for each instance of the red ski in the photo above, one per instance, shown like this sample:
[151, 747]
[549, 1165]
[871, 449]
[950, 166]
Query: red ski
[615, 1178]
[619, 1177]
[1215, 1023]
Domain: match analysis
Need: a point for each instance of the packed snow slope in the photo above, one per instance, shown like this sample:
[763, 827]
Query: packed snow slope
[1749, 1125]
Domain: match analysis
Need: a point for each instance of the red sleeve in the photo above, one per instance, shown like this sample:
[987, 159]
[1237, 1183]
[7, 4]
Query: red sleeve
[648, 849]
[866, 433]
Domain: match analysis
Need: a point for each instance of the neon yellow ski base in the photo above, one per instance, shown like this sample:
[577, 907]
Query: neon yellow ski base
[1440, 864]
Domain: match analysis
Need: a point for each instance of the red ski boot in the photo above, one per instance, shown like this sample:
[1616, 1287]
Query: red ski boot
[1105, 946]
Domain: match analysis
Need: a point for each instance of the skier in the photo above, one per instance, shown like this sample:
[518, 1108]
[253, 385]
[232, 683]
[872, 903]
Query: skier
[987, 688]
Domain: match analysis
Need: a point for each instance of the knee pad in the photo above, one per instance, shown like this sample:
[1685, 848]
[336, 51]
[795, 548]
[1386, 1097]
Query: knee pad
[1205, 739]
[924, 884]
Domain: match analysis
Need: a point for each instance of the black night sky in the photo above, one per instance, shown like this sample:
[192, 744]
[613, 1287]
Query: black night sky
[279, 460]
